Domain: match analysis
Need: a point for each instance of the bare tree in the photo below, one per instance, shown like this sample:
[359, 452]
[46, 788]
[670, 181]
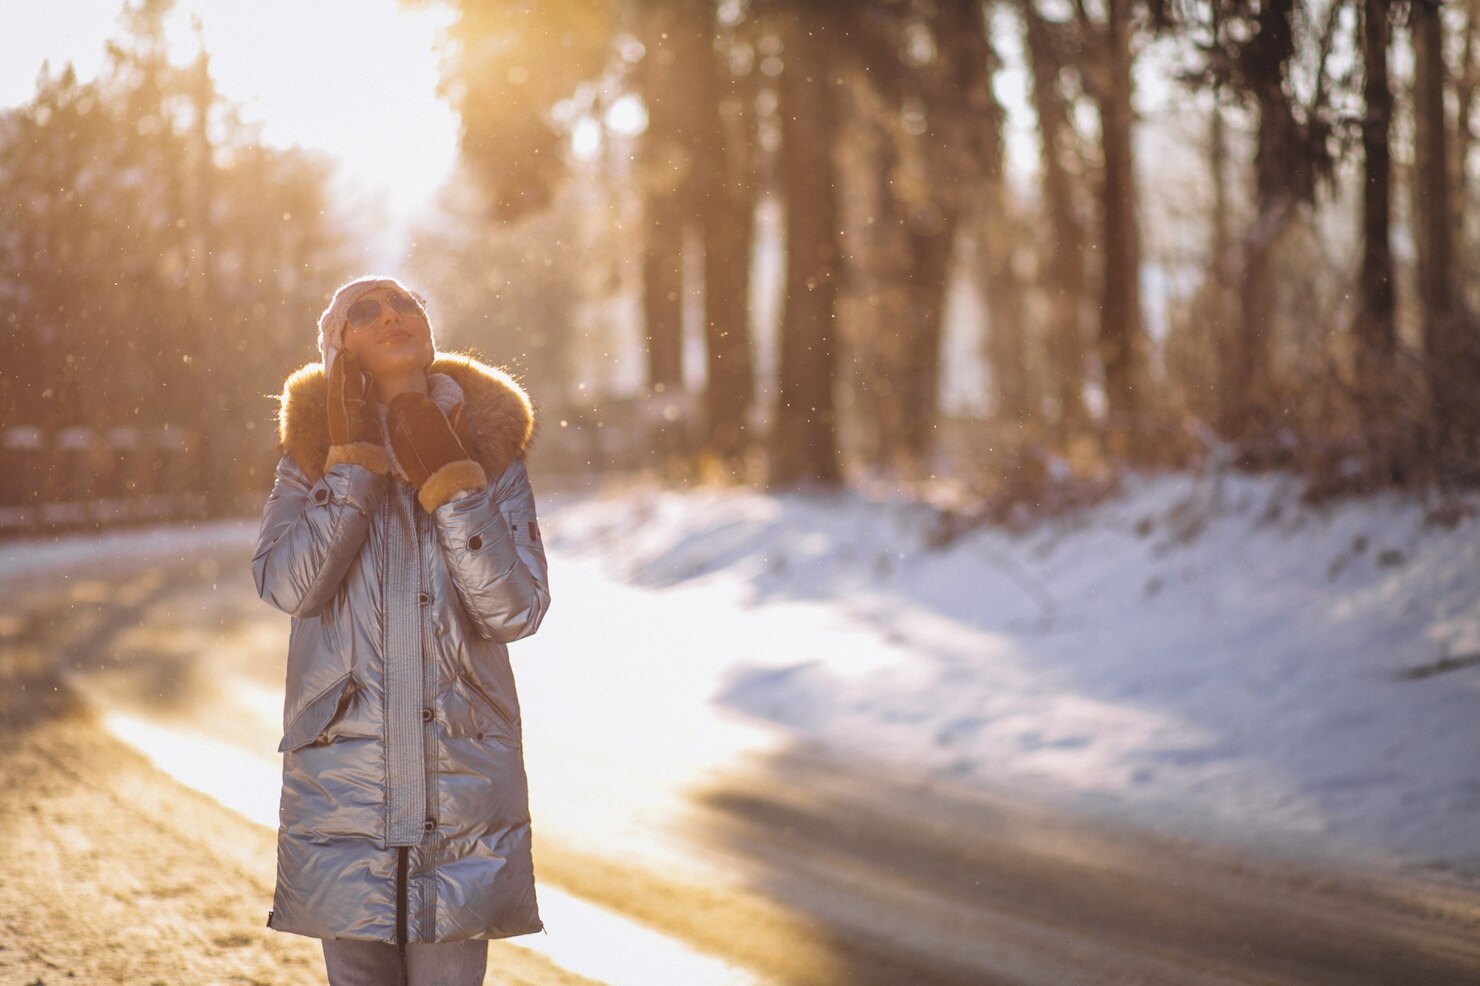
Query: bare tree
[1290, 155]
[803, 440]
[727, 169]
[1450, 344]
[1065, 266]
[1000, 235]
[1375, 328]
[939, 131]
[1109, 44]
[673, 71]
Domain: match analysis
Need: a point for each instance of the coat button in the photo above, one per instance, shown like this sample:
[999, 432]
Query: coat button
[423, 598]
[475, 542]
[427, 715]
[320, 495]
[429, 825]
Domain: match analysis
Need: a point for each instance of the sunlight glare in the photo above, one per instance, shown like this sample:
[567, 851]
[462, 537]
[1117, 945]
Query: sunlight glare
[585, 141]
[248, 785]
[627, 116]
[354, 78]
[592, 941]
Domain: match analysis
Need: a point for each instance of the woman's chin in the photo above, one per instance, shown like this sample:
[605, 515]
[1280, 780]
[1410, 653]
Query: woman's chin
[397, 361]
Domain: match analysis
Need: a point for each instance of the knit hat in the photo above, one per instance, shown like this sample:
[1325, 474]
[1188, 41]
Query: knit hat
[334, 318]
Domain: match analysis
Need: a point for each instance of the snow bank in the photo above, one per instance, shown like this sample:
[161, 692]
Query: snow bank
[1206, 655]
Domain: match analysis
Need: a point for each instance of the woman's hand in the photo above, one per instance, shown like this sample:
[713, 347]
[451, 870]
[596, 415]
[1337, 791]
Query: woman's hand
[435, 452]
[352, 415]
[355, 435]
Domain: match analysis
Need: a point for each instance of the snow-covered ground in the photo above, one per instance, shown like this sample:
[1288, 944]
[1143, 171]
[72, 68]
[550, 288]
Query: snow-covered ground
[1205, 654]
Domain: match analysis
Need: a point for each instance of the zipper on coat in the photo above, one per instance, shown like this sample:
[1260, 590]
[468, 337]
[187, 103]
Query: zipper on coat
[401, 866]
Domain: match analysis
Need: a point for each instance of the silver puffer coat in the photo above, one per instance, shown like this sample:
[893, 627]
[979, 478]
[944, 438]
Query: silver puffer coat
[405, 810]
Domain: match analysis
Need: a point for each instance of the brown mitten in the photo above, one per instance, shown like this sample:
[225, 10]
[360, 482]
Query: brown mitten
[354, 422]
[435, 456]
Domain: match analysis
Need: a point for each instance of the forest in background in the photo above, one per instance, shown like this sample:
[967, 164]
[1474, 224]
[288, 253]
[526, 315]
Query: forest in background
[1275, 268]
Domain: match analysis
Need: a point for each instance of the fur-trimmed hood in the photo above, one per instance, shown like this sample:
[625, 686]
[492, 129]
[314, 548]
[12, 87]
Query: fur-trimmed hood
[499, 413]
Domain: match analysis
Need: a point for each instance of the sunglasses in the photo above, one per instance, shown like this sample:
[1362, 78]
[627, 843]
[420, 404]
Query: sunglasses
[365, 311]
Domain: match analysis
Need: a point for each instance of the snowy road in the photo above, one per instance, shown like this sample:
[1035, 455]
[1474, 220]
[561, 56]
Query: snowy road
[733, 839]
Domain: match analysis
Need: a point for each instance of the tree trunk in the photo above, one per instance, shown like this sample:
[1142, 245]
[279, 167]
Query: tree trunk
[1216, 342]
[1014, 382]
[1449, 338]
[1282, 177]
[662, 298]
[727, 171]
[998, 235]
[890, 379]
[996, 228]
[1065, 267]
[680, 46]
[1465, 84]
[1431, 178]
[217, 438]
[1122, 335]
[666, 169]
[803, 446]
[1375, 331]
[930, 248]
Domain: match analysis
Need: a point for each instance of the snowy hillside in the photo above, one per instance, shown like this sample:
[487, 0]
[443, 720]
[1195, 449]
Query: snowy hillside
[1203, 654]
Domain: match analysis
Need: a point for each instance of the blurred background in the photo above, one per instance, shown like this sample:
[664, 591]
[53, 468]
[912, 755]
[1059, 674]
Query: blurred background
[1008, 245]
[1010, 471]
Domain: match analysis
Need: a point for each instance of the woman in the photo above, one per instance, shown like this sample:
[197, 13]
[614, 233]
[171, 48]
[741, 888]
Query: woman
[401, 537]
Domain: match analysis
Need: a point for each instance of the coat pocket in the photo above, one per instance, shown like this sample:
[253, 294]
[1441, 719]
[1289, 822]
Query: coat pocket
[506, 728]
[315, 719]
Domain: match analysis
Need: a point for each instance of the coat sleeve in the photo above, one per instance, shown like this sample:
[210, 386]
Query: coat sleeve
[311, 533]
[496, 557]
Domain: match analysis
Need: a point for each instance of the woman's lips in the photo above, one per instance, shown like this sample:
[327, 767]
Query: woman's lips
[392, 338]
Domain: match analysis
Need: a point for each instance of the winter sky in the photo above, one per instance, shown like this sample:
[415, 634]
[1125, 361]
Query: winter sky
[354, 78]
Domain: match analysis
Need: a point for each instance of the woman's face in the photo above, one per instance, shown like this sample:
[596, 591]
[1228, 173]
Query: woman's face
[393, 343]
